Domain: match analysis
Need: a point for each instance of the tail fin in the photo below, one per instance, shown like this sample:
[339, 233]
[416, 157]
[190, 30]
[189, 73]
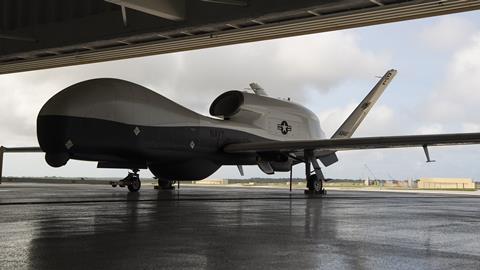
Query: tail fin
[348, 127]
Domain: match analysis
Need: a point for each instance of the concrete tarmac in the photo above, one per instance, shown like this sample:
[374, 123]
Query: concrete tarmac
[99, 227]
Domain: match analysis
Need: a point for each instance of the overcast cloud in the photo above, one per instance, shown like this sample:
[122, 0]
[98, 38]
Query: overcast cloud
[458, 95]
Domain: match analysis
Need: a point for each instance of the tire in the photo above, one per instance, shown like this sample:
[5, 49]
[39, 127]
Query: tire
[314, 184]
[165, 184]
[135, 185]
[310, 182]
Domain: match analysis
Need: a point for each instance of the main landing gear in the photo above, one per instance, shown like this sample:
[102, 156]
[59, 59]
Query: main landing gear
[314, 181]
[165, 184]
[132, 181]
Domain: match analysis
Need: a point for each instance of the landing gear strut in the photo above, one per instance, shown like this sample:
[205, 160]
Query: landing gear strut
[314, 181]
[132, 181]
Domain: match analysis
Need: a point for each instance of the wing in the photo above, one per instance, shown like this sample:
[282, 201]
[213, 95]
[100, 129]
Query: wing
[20, 149]
[344, 144]
[351, 124]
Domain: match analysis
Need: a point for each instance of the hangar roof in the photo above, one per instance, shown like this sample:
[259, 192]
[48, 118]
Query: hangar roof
[51, 33]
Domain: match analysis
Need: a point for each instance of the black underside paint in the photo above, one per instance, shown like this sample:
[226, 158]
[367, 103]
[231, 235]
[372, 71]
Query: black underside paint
[188, 153]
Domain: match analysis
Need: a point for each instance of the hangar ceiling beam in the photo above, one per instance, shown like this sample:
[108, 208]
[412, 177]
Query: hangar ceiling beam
[227, 2]
[100, 35]
[168, 9]
[19, 38]
[376, 2]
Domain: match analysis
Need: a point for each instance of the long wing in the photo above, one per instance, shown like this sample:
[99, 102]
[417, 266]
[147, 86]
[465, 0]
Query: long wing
[355, 143]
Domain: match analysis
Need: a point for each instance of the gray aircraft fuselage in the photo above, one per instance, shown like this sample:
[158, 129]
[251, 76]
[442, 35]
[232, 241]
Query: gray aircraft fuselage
[120, 124]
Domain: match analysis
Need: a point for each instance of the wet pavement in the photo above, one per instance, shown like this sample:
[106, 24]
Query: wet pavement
[98, 227]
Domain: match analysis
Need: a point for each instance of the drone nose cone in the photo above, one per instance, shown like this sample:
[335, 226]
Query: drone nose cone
[53, 129]
[52, 138]
[57, 159]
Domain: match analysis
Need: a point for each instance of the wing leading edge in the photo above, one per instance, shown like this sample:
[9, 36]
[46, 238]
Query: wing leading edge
[344, 144]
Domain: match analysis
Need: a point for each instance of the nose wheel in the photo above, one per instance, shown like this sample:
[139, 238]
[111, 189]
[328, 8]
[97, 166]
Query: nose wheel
[135, 183]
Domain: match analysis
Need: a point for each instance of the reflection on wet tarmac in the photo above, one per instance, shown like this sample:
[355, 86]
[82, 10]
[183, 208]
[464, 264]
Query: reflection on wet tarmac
[215, 228]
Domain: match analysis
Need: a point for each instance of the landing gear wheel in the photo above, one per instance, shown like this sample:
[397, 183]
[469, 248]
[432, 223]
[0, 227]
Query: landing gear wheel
[314, 181]
[135, 184]
[166, 184]
[315, 185]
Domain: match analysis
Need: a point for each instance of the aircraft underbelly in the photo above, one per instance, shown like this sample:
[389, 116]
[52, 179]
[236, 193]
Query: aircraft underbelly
[102, 140]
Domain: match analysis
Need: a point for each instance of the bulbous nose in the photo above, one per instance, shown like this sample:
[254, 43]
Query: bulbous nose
[52, 138]
[57, 159]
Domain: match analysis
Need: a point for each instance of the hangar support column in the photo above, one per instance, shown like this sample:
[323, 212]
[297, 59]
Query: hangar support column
[2, 150]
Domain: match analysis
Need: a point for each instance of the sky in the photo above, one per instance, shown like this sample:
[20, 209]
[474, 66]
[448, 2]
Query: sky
[435, 91]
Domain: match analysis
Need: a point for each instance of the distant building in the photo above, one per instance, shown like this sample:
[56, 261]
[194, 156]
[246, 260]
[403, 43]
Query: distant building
[446, 183]
[209, 181]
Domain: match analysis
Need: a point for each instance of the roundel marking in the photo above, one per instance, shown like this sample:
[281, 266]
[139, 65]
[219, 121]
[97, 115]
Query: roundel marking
[284, 127]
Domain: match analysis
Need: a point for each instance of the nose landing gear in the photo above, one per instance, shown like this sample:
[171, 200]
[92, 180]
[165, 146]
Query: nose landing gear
[134, 184]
